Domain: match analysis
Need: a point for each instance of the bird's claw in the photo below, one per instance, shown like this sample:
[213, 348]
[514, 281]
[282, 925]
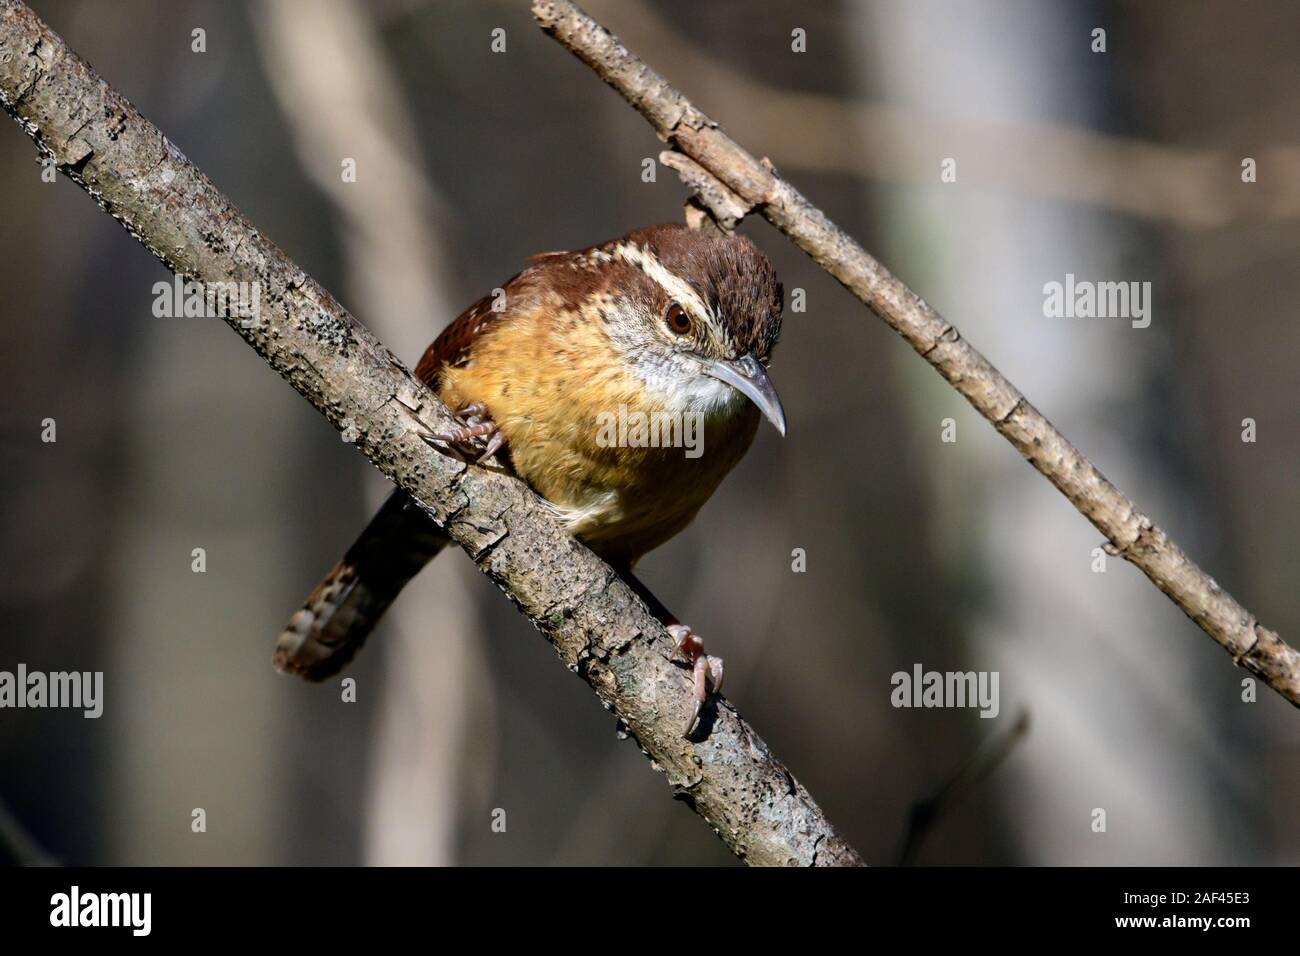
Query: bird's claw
[476, 438]
[706, 670]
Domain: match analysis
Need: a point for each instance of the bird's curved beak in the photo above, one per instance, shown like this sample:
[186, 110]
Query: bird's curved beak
[747, 376]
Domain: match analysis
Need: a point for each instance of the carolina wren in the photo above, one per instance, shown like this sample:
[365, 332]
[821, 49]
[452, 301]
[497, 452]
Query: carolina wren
[667, 322]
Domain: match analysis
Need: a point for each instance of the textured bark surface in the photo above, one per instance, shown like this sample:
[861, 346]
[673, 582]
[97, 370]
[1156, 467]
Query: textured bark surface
[746, 182]
[598, 627]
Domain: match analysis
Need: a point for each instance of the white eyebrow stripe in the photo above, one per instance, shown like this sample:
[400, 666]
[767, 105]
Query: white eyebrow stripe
[676, 287]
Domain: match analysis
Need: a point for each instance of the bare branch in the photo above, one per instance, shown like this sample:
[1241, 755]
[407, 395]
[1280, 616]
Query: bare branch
[1129, 533]
[723, 206]
[598, 627]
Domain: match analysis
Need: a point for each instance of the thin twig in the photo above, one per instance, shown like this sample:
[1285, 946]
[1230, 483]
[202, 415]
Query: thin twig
[599, 628]
[1129, 533]
[17, 846]
[927, 811]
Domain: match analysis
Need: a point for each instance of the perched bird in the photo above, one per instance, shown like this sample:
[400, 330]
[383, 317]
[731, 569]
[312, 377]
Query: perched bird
[671, 324]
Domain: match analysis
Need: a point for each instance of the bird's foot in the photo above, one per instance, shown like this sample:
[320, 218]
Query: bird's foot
[476, 438]
[706, 669]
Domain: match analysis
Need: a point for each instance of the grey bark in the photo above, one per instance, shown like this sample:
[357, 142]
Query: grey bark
[597, 626]
[1129, 533]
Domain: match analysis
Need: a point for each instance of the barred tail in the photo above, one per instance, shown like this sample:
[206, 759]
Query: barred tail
[338, 616]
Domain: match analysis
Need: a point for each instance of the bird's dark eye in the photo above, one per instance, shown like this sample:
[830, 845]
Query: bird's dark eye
[677, 319]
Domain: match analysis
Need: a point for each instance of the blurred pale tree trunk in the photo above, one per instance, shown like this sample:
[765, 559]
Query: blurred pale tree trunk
[207, 453]
[172, 437]
[1118, 724]
[342, 101]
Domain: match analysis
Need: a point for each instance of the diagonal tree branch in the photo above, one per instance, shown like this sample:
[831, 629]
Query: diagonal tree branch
[754, 186]
[597, 626]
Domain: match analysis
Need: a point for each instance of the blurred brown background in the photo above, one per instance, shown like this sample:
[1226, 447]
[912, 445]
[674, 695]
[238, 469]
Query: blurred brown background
[173, 435]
